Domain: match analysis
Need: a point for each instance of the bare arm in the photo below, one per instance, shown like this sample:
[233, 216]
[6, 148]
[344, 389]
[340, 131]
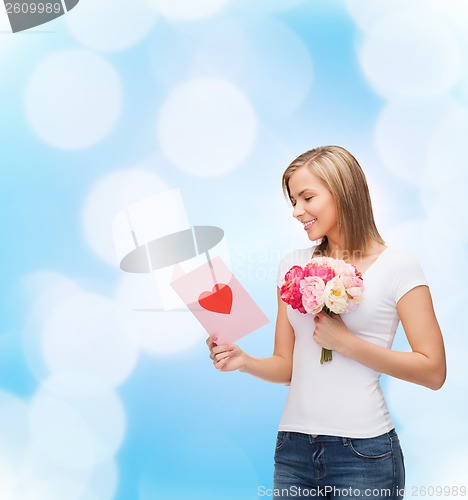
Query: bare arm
[276, 368]
[424, 365]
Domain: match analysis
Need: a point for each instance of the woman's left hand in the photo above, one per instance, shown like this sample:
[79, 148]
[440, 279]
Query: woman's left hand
[330, 331]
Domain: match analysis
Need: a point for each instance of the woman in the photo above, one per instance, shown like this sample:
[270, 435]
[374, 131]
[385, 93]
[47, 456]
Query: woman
[336, 437]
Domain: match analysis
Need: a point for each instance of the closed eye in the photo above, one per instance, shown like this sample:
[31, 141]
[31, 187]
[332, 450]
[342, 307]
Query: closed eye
[308, 198]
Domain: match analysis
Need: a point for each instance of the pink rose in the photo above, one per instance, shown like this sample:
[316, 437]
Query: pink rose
[312, 289]
[290, 292]
[321, 270]
[342, 268]
[295, 273]
[354, 286]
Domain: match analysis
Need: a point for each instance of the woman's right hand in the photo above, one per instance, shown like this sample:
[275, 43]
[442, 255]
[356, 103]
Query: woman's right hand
[227, 357]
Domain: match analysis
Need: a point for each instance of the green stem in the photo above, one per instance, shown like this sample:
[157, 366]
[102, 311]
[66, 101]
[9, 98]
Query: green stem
[326, 353]
[326, 310]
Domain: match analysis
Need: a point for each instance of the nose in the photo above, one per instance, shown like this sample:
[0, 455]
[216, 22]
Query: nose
[298, 211]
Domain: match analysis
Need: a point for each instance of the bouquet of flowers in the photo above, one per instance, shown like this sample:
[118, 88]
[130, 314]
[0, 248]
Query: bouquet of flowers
[324, 284]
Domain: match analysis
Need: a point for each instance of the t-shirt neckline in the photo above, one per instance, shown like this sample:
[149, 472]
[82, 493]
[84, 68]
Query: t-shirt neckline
[370, 267]
[375, 261]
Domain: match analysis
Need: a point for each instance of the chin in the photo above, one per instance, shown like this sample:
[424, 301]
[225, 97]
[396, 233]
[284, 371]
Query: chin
[313, 237]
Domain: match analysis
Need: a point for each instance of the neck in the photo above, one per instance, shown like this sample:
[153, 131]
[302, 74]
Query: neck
[336, 250]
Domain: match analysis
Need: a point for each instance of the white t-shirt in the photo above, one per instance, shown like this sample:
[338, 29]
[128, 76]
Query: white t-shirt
[343, 397]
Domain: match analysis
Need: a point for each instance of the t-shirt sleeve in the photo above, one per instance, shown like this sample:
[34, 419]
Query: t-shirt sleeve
[408, 275]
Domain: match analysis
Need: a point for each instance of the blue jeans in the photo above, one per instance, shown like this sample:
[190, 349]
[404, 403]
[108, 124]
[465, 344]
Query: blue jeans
[338, 467]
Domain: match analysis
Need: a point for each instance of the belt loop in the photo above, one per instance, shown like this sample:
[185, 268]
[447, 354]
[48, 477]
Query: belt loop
[345, 441]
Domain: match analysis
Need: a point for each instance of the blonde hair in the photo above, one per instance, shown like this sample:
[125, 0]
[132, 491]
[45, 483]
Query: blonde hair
[343, 176]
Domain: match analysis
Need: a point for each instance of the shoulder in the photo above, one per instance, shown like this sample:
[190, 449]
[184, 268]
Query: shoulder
[404, 271]
[401, 257]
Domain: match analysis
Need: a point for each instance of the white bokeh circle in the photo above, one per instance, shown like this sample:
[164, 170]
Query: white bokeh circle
[424, 468]
[445, 187]
[45, 479]
[60, 433]
[188, 10]
[79, 433]
[107, 198]
[423, 60]
[104, 482]
[444, 208]
[54, 488]
[427, 468]
[268, 6]
[170, 67]
[426, 241]
[73, 99]
[447, 167]
[14, 428]
[452, 473]
[13, 48]
[74, 384]
[366, 14]
[455, 14]
[207, 127]
[9, 480]
[5, 25]
[283, 79]
[89, 333]
[222, 50]
[44, 290]
[381, 198]
[111, 24]
[404, 132]
[408, 401]
[167, 333]
[138, 291]
[158, 331]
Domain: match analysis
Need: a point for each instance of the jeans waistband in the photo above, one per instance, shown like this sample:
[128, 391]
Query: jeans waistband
[317, 438]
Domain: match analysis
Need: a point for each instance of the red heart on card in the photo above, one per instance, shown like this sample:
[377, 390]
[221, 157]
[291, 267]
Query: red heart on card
[218, 300]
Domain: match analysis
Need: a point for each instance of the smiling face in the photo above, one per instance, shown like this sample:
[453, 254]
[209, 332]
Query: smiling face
[329, 189]
[313, 204]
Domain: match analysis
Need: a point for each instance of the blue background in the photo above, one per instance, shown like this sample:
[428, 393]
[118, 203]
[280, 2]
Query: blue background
[300, 74]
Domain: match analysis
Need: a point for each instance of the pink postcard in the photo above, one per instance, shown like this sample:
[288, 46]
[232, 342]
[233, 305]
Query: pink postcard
[219, 302]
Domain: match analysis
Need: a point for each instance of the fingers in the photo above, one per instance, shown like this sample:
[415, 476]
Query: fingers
[211, 341]
[220, 349]
[213, 346]
[220, 356]
[222, 363]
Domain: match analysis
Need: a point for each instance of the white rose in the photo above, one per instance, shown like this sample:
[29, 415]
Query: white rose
[336, 298]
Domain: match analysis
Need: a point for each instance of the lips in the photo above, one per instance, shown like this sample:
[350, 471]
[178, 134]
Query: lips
[309, 224]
